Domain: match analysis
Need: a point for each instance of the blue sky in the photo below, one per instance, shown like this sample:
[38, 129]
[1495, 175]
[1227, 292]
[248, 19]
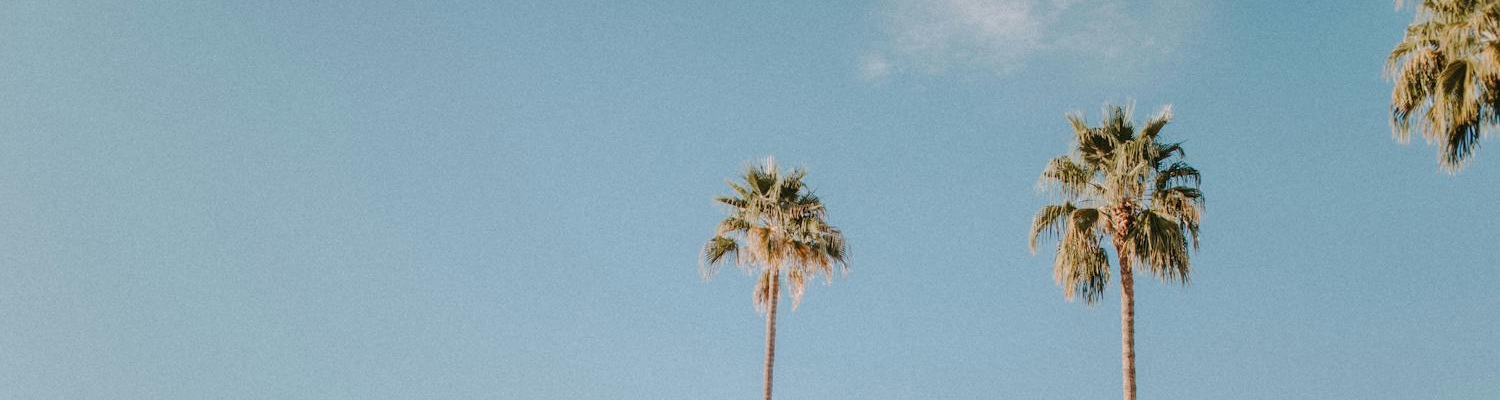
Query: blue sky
[482, 200]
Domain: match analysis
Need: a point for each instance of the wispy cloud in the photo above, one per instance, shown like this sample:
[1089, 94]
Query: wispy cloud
[875, 67]
[1000, 36]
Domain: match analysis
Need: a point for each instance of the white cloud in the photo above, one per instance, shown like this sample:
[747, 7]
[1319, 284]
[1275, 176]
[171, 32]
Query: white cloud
[1000, 36]
[874, 68]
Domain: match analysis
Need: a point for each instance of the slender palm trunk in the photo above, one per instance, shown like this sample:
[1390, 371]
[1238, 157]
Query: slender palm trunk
[1127, 326]
[771, 329]
[1121, 222]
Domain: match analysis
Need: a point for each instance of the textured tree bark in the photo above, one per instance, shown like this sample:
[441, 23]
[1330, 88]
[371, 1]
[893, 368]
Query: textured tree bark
[771, 329]
[1127, 326]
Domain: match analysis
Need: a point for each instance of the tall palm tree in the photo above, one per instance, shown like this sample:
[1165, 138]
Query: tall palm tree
[1124, 185]
[775, 226]
[1447, 76]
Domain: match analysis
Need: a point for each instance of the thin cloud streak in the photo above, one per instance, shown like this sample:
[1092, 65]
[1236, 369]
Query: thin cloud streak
[997, 37]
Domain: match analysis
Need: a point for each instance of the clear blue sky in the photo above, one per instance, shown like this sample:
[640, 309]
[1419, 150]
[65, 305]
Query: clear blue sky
[505, 200]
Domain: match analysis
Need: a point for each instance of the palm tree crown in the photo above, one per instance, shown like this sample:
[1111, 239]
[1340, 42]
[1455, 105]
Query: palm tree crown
[775, 225]
[1447, 76]
[1124, 185]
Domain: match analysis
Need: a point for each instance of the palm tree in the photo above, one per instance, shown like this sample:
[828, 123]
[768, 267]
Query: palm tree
[1124, 185]
[775, 226]
[1447, 76]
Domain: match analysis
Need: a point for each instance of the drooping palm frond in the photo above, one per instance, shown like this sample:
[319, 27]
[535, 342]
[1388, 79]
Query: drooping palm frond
[1050, 222]
[1081, 266]
[1161, 245]
[1181, 204]
[718, 249]
[761, 297]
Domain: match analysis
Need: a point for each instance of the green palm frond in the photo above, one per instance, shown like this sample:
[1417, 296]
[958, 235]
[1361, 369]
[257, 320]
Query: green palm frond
[1161, 245]
[732, 202]
[1177, 174]
[1072, 178]
[718, 249]
[1081, 266]
[1050, 222]
[1156, 123]
[1181, 204]
[1093, 144]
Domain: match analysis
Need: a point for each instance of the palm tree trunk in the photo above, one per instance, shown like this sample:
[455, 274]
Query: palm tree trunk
[771, 330]
[1127, 326]
[1121, 221]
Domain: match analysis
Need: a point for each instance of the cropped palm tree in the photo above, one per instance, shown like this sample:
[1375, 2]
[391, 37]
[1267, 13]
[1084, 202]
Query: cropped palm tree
[775, 227]
[1447, 77]
[1122, 185]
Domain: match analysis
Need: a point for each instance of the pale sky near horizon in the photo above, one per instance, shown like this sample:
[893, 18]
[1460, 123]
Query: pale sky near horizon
[505, 200]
